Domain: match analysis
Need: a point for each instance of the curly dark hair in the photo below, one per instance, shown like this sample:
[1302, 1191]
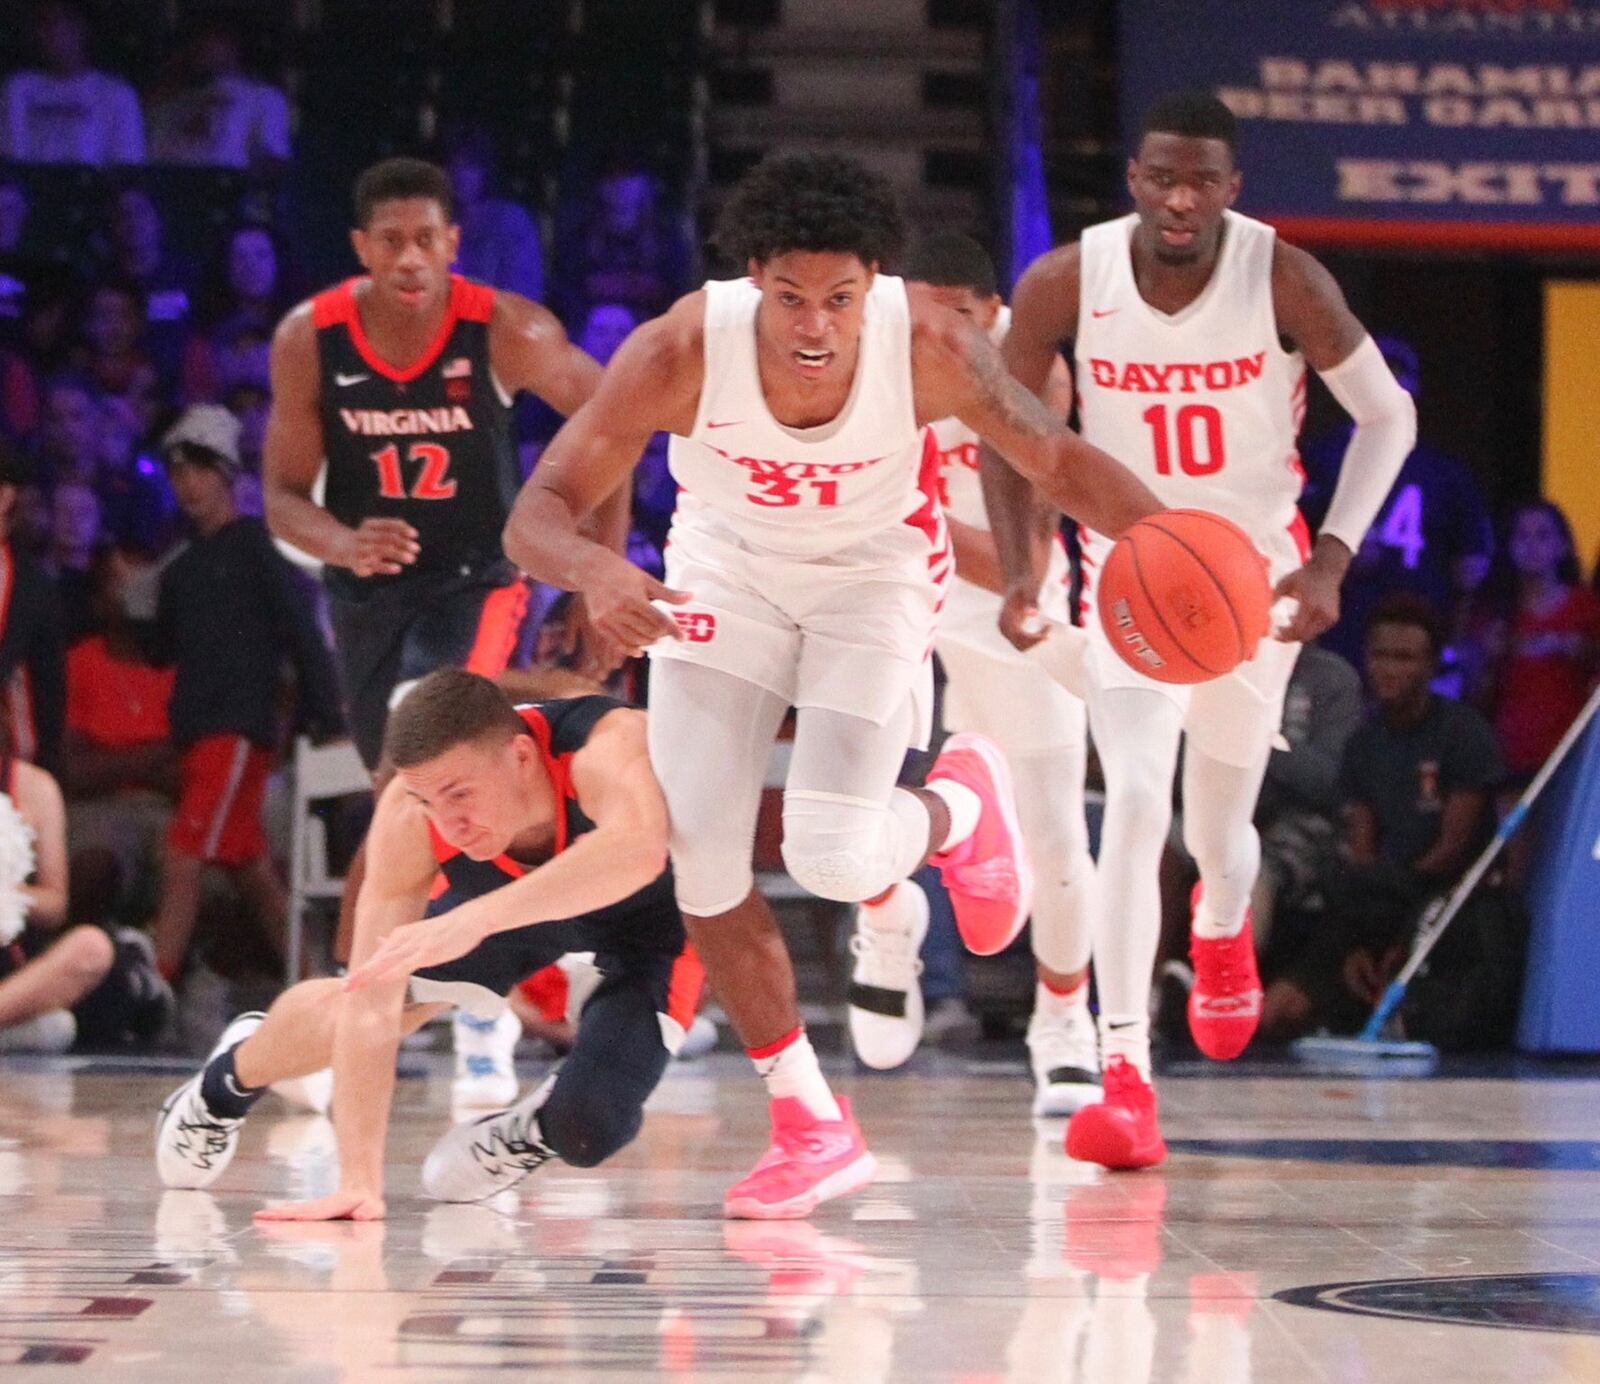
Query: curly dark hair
[814, 202]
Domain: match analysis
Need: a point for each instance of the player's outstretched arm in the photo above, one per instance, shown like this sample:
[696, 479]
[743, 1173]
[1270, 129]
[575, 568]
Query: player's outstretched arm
[618, 792]
[651, 384]
[1312, 312]
[394, 892]
[292, 457]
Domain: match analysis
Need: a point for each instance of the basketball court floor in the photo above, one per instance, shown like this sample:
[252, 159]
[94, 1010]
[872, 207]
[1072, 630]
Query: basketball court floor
[1305, 1229]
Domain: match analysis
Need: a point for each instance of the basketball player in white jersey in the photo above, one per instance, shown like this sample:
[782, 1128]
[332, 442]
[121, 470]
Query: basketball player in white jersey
[1040, 727]
[806, 566]
[1191, 328]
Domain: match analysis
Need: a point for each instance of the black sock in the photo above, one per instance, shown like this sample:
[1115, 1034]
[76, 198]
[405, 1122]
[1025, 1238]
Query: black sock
[224, 1094]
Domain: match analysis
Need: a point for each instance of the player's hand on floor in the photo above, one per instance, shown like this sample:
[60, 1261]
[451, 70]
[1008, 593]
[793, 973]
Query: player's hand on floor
[381, 548]
[620, 609]
[416, 946]
[341, 1206]
[1020, 620]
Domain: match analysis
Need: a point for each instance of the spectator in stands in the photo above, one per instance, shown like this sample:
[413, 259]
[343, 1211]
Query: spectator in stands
[230, 611]
[14, 260]
[68, 444]
[1432, 536]
[66, 111]
[49, 320]
[113, 353]
[75, 541]
[136, 255]
[250, 401]
[499, 240]
[244, 305]
[629, 249]
[13, 216]
[220, 117]
[89, 981]
[1417, 781]
[32, 656]
[118, 765]
[1534, 639]
[137, 506]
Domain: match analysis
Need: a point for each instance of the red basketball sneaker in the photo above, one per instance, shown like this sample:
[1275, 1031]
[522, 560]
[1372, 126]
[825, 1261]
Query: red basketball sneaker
[1120, 1131]
[989, 875]
[809, 1161]
[1225, 1003]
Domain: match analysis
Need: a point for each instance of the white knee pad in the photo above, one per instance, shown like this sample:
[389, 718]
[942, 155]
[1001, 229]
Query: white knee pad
[849, 849]
[710, 876]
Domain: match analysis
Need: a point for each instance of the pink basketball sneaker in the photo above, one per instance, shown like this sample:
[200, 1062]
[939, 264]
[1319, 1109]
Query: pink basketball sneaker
[809, 1161]
[989, 875]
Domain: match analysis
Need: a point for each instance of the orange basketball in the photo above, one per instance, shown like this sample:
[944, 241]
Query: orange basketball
[1184, 596]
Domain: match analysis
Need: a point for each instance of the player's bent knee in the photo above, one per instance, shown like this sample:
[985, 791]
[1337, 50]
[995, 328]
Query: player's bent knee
[845, 876]
[586, 1127]
[89, 952]
[707, 888]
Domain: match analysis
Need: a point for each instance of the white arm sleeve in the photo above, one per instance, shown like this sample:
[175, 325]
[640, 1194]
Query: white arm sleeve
[1385, 432]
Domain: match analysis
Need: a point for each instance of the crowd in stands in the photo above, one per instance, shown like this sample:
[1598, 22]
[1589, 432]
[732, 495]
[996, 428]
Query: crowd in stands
[149, 625]
[134, 390]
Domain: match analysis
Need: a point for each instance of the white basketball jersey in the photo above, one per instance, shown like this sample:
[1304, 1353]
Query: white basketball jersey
[961, 490]
[803, 492]
[1203, 405]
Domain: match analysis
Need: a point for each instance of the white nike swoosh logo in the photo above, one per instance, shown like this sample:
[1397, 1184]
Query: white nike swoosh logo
[343, 380]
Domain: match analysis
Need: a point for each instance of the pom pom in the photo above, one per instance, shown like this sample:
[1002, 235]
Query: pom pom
[16, 867]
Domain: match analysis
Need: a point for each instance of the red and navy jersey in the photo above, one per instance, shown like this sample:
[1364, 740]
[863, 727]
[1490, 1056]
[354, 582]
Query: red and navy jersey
[429, 443]
[560, 729]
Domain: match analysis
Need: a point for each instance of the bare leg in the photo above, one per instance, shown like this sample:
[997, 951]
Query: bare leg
[748, 966]
[180, 906]
[297, 1037]
[75, 963]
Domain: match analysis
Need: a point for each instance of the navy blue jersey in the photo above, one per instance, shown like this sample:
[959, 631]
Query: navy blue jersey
[430, 443]
[560, 729]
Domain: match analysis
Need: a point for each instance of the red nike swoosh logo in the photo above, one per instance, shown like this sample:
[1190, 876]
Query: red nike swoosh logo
[1103, 312]
[731, 423]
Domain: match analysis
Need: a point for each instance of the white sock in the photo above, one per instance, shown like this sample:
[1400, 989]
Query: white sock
[1208, 924]
[794, 1071]
[1049, 1004]
[1128, 1037]
[965, 809]
[890, 911]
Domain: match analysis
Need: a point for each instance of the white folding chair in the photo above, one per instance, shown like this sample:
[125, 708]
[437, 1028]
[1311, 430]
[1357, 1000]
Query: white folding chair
[320, 771]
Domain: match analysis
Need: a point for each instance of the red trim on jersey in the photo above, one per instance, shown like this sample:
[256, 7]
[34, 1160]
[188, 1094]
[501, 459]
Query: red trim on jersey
[559, 767]
[499, 623]
[468, 302]
[1301, 533]
[928, 517]
[684, 986]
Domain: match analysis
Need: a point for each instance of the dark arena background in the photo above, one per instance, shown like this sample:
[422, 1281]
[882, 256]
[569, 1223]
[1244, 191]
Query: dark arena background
[202, 633]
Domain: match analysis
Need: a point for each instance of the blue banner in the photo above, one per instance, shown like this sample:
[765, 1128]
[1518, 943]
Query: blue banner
[1560, 1006]
[1443, 122]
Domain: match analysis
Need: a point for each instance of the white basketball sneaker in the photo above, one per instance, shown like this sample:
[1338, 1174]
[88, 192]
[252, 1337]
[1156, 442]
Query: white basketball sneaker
[490, 1154]
[313, 1091]
[1064, 1052]
[486, 1073]
[885, 993]
[193, 1144]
